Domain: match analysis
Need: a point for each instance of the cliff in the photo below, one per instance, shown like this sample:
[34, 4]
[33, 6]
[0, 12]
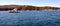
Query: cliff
[27, 7]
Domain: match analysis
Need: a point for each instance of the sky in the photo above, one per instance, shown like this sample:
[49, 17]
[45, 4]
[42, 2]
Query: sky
[31, 2]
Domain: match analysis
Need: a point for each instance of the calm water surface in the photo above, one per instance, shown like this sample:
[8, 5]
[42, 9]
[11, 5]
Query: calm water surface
[30, 18]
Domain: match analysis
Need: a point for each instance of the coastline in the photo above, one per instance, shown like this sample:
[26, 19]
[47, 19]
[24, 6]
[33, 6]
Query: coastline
[27, 7]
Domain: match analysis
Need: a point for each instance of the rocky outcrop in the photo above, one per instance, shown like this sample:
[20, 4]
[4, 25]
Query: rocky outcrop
[27, 7]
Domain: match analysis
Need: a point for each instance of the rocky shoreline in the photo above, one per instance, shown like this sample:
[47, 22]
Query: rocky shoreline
[26, 7]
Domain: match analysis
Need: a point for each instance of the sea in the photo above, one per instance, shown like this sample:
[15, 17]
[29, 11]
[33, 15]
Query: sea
[30, 18]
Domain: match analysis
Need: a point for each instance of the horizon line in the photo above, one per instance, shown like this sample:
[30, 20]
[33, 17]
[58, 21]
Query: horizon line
[31, 5]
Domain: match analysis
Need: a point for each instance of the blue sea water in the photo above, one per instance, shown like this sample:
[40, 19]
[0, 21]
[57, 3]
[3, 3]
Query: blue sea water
[30, 18]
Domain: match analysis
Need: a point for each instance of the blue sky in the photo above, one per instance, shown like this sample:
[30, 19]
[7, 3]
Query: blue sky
[31, 2]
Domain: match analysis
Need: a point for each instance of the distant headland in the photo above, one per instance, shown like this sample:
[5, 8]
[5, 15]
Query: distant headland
[27, 7]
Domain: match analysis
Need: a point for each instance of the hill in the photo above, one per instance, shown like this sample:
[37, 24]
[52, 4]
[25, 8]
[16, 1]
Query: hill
[27, 7]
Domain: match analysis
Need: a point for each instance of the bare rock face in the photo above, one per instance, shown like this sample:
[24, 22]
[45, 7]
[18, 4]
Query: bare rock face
[27, 7]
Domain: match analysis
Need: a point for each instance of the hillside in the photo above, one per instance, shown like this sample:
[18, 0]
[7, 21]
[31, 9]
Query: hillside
[27, 7]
